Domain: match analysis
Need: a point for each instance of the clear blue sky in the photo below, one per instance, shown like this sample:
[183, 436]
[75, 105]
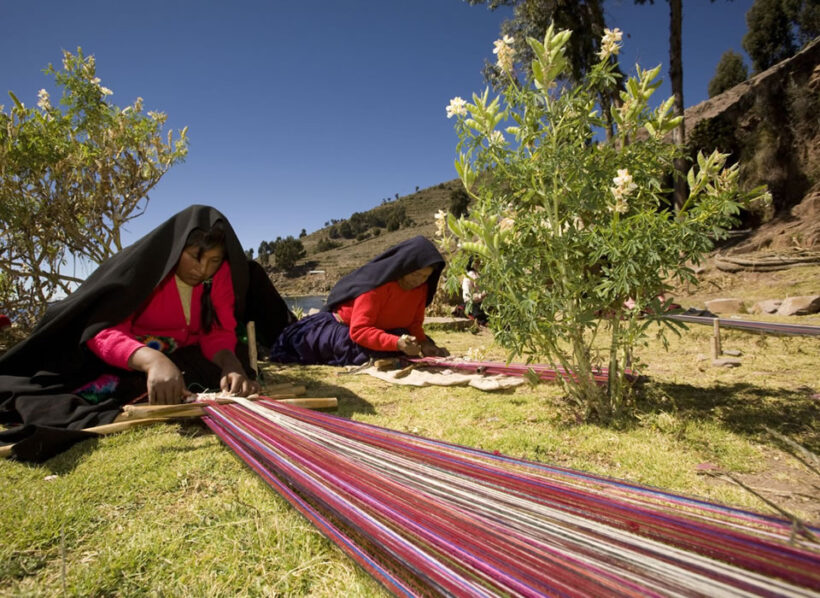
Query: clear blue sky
[305, 110]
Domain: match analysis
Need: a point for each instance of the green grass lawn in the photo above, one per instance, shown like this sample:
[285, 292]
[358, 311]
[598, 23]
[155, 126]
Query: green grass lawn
[169, 511]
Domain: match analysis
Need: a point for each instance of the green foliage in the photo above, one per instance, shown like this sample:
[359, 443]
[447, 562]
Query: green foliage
[286, 252]
[326, 244]
[714, 134]
[531, 17]
[397, 217]
[70, 178]
[346, 230]
[806, 16]
[459, 202]
[730, 71]
[265, 249]
[577, 237]
[360, 225]
[770, 36]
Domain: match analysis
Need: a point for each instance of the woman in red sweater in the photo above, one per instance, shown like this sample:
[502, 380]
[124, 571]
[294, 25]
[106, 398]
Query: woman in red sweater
[159, 317]
[375, 311]
[193, 306]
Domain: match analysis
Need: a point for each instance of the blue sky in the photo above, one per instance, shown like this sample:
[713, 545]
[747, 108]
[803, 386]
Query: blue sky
[307, 110]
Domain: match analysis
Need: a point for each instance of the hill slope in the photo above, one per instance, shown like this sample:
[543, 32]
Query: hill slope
[319, 270]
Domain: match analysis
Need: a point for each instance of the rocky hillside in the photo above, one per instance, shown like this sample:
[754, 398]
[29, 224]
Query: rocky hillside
[769, 123]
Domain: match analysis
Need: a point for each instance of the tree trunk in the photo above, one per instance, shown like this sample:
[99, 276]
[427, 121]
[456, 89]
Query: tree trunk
[676, 80]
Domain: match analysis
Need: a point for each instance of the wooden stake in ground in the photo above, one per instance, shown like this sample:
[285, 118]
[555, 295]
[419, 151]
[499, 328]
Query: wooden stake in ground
[717, 351]
[252, 356]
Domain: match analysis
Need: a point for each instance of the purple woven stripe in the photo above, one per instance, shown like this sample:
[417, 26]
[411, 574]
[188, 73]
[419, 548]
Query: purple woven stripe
[496, 524]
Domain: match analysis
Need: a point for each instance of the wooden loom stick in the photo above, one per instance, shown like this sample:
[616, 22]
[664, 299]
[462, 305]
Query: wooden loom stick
[142, 415]
[136, 412]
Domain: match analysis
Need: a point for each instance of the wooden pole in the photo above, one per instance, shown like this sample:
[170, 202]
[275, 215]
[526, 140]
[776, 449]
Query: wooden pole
[717, 350]
[252, 356]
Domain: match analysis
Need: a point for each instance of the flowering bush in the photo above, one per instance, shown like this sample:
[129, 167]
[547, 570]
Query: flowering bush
[72, 174]
[576, 235]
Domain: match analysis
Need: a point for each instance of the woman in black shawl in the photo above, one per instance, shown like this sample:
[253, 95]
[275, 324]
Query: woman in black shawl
[58, 381]
[375, 311]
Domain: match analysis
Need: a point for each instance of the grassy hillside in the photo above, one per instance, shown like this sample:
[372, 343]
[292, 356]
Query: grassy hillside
[421, 208]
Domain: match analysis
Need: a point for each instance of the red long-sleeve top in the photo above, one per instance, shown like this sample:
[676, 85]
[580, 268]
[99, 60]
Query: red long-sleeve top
[385, 308]
[162, 317]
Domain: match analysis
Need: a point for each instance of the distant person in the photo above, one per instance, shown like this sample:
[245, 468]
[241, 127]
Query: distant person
[159, 318]
[375, 311]
[471, 293]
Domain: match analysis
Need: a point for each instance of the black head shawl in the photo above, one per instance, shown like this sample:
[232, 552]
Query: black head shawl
[408, 256]
[117, 289]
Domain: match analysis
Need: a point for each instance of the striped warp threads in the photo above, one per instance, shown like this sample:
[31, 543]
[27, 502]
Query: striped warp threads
[425, 517]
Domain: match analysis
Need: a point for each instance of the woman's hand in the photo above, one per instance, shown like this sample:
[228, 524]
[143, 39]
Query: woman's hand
[409, 345]
[236, 383]
[166, 386]
[431, 349]
[233, 379]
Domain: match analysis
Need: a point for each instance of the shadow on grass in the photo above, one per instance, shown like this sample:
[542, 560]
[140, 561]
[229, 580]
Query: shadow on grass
[744, 408]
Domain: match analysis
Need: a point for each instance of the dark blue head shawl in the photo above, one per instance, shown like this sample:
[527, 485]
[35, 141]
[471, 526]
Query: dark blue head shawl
[408, 256]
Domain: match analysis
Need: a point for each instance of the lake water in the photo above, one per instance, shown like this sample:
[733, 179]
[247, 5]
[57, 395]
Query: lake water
[306, 302]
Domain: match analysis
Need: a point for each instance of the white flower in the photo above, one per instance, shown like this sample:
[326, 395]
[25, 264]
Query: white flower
[96, 80]
[624, 186]
[457, 107]
[496, 138]
[624, 180]
[621, 206]
[505, 52]
[105, 91]
[441, 223]
[610, 45]
[43, 101]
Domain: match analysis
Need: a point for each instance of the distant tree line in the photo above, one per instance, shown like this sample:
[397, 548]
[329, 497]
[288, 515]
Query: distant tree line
[285, 252]
[776, 30]
[364, 224]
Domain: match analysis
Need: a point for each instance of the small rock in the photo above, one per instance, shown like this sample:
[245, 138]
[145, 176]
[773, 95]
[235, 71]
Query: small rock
[769, 306]
[724, 306]
[726, 362]
[799, 306]
[733, 352]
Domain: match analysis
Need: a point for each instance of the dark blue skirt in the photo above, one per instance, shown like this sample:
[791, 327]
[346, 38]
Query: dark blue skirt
[322, 339]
